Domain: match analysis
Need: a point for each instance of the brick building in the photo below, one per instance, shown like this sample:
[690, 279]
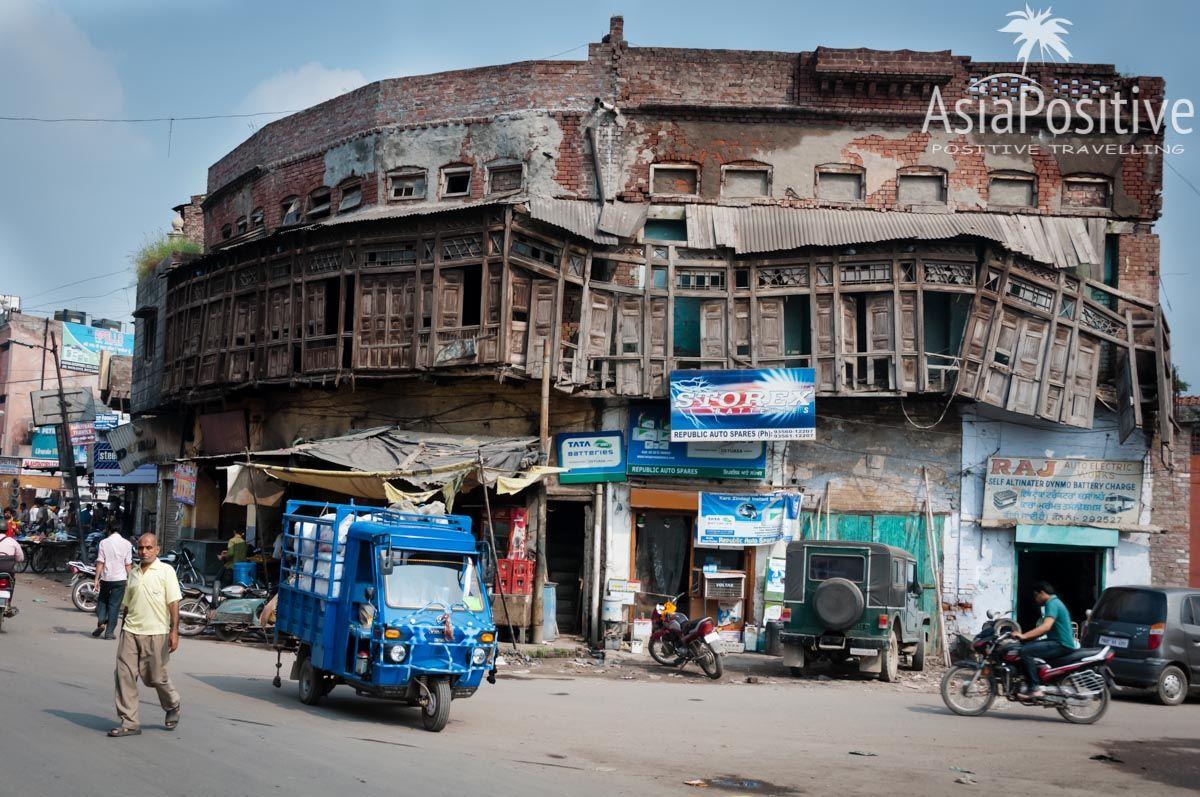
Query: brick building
[419, 250]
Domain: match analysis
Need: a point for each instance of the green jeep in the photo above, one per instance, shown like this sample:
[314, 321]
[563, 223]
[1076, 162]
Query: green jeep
[853, 602]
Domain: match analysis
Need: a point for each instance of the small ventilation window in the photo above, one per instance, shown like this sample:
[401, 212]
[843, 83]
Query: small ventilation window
[406, 184]
[456, 181]
[505, 179]
[351, 195]
[242, 225]
[745, 181]
[256, 218]
[921, 189]
[226, 231]
[318, 203]
[1012, 190]
[839, 182]
[289, 210]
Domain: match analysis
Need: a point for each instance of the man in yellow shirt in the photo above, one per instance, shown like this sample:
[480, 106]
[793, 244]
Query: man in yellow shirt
[149, 636]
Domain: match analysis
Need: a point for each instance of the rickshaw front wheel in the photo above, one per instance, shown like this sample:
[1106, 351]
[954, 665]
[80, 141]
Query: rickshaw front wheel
[436, 711]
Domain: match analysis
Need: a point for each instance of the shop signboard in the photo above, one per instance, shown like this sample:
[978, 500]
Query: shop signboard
[591, 457]
[185, 483]
[1091, 492]
[10, 466]
[82, 344]
[651, 452]
[623, 590]
[106, 469]
[776, 570]
[44, 445]
[731, 520]
[750, 404]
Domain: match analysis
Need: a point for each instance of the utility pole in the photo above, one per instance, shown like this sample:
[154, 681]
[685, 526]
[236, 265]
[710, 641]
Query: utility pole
[66, 452]
[539, 573]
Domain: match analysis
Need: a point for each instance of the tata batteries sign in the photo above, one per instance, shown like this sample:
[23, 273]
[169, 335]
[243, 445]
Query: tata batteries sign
[758, 404]
[651, 452]
[591, 457]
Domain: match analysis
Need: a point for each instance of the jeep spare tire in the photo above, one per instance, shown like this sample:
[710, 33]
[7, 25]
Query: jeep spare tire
[838, 603]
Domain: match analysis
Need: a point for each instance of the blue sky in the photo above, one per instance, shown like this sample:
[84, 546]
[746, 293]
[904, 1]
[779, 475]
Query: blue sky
[80, 197]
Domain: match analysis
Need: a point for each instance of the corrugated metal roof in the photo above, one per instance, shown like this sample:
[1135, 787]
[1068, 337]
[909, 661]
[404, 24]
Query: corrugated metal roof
[399, 211]
[577, 216]
[1065, 242]
[623, 219]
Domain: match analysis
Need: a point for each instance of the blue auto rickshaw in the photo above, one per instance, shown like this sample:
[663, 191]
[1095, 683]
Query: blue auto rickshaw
[391, 604]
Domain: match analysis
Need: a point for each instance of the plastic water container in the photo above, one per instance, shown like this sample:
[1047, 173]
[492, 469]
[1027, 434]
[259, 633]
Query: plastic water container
[243, 573]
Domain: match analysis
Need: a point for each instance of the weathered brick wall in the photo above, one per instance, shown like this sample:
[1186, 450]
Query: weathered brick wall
[1138, 267]
[1171, 497]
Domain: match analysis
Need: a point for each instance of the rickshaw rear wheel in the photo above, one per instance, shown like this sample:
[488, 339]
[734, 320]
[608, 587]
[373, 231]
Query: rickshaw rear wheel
[436, 711]
[310, 684]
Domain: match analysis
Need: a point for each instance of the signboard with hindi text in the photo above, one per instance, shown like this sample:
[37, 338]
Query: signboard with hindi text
[1092, 492]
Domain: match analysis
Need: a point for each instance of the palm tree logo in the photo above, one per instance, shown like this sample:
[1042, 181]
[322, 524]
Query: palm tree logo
[1037, 29]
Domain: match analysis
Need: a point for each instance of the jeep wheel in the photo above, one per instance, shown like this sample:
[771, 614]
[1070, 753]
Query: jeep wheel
[889, 669]
[916, 660]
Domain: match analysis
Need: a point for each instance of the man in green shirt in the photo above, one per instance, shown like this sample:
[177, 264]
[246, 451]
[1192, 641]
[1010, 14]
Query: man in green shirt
[1057, 638]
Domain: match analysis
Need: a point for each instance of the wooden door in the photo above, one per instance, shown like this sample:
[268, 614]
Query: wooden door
[541, 325]
[713, 318]
[629, 336]
[450, 299]
[768, 333]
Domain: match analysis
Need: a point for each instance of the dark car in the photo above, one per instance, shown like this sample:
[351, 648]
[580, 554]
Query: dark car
[853, 603]
[1155, 634]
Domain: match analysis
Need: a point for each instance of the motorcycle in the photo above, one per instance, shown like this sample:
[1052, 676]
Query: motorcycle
[1078, 685]
[184, 563]
[8, 585]
[83, 586]
[235, 610]
[675, 640]
[195, 608]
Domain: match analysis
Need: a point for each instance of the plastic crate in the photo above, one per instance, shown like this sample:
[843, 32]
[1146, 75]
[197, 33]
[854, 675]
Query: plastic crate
[514, 576]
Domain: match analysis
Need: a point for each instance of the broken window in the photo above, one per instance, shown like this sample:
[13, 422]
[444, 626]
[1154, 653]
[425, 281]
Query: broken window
[242, 225]
[506, 178]
[289, 210]
[351, 191]
[674, 179]
[1086, 191]
[456, 181]
[256, 218]
[149, 337]
[1012, 189]
[406, 184]
[840, 182]
[533, 249]
[671, 230]
[686, 342]
[745, 181]
[318, 203]
[226, 231]
[921, 189]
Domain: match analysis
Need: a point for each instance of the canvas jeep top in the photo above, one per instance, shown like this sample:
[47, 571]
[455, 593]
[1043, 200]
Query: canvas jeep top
[853, 603]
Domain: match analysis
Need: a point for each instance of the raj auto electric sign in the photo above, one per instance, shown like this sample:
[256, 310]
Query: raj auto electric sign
[1093, 492]
[758, 404]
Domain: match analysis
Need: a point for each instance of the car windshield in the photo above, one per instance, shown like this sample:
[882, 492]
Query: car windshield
[824, 566]
[1139, 606]
[418, 579]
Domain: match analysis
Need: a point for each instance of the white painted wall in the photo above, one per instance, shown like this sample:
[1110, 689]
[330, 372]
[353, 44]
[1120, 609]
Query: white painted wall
[980, 564]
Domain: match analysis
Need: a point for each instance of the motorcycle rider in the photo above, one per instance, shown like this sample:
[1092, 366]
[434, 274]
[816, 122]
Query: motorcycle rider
[10, 554]
[1053, 634]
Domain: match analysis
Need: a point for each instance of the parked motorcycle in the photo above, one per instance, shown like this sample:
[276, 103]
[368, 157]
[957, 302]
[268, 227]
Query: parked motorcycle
[195, 609]
[83, 586]
[675, 640]
[236, 610]
[8, 585]
[184, 563]
[1077, 685]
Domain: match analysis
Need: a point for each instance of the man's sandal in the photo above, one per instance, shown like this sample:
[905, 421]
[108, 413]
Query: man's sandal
[117, 733]
[172, 720]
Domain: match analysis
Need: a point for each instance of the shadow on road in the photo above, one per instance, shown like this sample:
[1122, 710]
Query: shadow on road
[1173, 762]
[1043, 716]
[93, 722]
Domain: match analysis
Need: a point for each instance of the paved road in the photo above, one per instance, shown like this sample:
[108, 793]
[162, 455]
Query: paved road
[547, 731]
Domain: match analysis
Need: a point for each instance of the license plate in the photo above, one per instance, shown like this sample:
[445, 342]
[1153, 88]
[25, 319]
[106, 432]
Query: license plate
[863, 652]
[712, 638]
[5, 594]
[1114, 641]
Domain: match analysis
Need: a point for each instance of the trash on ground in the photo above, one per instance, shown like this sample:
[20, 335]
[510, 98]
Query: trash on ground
[863, 753]
[965, 779]
[696, 782]
[1111, 759]
[753, 679]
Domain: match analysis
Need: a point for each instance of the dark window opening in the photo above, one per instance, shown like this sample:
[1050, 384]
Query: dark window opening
[351, 196]
[149, 337]
[408, 184]
[226, 231]
[456, 182]
[472, 294]
[242, 225]
[289, 210]
[687, 326]
[945, 319]
[256, 218]
[318, 203]
[797, 326]
[741, 278]
[670, 230]
[330, 326]
[535, 250]
[348, 306]
[603, 270]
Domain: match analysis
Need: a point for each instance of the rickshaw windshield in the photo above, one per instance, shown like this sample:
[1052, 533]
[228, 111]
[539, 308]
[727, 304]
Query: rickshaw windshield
[418, 579]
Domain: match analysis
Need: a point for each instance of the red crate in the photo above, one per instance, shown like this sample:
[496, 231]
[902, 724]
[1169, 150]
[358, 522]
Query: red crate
[514, 576]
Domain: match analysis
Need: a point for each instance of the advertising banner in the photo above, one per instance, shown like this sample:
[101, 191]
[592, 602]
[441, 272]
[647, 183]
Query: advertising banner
[651, 452]
[185, 483]
[758, 404]
[591, 457]
[107, 470]
[1092, 492]
[729, 520]
[82, 344]
[44, 445]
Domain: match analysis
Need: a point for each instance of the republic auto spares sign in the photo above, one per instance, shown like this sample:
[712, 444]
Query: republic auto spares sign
[750, 404]
[1094, 492]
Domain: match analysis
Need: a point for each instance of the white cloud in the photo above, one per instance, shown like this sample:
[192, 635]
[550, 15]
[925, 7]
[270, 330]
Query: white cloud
[297, 89]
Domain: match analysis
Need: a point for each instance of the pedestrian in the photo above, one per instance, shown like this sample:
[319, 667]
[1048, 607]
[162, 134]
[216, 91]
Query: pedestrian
[149, 636]
[114, 560]
[11, 527]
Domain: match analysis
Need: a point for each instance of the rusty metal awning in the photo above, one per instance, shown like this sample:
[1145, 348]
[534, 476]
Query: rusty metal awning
[404, 210]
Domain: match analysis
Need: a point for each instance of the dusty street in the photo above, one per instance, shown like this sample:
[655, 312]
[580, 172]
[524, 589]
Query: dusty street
[540, 730]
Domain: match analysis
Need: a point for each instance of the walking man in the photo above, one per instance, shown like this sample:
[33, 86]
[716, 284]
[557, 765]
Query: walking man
[148, 638]
[114, 560]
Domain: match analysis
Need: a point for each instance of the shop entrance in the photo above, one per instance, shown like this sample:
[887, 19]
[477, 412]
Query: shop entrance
[1077, 574]
[565, 540]
[663, 549]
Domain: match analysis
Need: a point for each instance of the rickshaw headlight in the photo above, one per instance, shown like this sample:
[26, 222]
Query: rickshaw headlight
[396, 653]
[478, 656]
